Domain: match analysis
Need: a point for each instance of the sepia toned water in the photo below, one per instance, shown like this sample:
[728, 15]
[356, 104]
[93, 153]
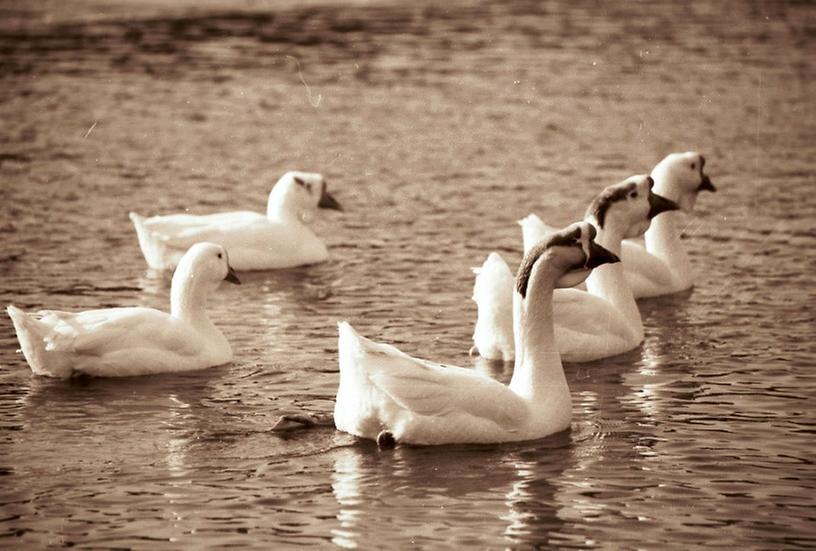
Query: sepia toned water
[437, 126]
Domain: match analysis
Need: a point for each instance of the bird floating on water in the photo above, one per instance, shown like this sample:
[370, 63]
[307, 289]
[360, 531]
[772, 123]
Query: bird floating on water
[256, 241]
[117, 342]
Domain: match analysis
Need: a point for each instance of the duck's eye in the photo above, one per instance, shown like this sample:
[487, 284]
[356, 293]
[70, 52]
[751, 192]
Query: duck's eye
[693, 166]
[220, 255]
[633, 195]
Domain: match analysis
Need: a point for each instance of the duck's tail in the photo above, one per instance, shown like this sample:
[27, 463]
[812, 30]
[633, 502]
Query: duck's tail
[31, 334]
[360, 401]
[533, 230]
[349, 351]
[147, 243]
[493, 294]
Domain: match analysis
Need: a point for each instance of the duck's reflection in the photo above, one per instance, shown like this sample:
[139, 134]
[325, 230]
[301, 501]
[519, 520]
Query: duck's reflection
[346, 488]
[504, 494]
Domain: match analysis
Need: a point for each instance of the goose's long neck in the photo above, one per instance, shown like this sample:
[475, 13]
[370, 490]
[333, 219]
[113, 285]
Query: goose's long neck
[188, 298]
[609, 281]
[663, 241]
[279, 207]
[538, 371]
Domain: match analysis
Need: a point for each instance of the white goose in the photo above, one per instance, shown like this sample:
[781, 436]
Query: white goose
[388, 396]
[663, 267]
[278, 239]
[588, 325]
[117, 342]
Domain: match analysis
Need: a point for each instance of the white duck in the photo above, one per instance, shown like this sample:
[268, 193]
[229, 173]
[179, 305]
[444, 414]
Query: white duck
[663, 267]
[390, 397]
[117, 342]
[278, 239]
[588, 325]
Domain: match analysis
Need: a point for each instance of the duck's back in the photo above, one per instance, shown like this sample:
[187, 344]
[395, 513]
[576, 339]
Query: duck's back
[253, 241]
[420, 402]
[116, 342]
[588, 327]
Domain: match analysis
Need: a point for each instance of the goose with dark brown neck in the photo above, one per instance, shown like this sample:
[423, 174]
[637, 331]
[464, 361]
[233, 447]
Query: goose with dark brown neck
[388, 396]
[588, 325]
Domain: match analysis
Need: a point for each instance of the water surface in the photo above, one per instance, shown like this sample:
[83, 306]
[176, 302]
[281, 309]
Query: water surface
[438, 126]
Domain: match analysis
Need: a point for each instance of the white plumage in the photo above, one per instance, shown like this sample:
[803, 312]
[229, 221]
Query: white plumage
[602, 322]
[118, 342]
[386, 395]
[280, 238]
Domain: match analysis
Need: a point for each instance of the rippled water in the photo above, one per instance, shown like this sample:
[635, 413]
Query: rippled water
[438, 126]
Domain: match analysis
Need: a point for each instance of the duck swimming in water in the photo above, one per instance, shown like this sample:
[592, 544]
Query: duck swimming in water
[391, 397]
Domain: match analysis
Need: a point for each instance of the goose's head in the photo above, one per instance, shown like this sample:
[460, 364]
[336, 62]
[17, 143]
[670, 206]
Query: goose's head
[681, 177]
[628, 207]
[571, 254]
[301, 193]
[207, 263]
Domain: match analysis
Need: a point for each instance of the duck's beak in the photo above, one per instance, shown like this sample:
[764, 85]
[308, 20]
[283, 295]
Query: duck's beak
[658, 204]
[231, 276]
[706, 185]
[327, 201]
[599, 255]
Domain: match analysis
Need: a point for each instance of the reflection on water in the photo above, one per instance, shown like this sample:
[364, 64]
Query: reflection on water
[438, 127]
[487, 491]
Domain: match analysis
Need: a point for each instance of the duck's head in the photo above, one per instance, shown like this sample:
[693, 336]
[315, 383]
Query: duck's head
[681, 177]
[207, 263]
[301, 193]
[571, 254]
[628, 207]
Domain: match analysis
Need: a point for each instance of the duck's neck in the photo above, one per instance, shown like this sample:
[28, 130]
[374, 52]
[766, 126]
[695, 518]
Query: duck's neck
[188, 298]
[663, 241]
[280, 206]
[609, 281]
[538, 372]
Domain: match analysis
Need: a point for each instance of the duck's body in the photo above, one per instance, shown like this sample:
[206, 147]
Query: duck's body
[581, 337]
[604, 320]
[255, 241]
[118, 342]
[420, 402]
[657, 270]
[114, 342]
[386, 395]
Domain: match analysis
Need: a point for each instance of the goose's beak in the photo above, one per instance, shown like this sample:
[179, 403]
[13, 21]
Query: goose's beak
[706, 185]
[599, 255]
[327, 201]
[658, 204]
[231, 276]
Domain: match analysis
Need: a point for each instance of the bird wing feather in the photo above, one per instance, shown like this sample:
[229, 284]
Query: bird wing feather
[98, 332]
[428, 388]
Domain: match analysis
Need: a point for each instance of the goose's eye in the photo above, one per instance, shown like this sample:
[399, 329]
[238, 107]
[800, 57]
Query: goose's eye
[633, 195]
[693, 166]
[220, 255]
